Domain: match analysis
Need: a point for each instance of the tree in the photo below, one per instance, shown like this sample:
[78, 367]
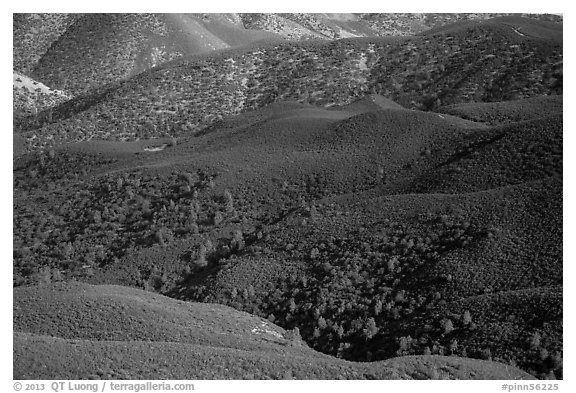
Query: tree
[293, 337]
[316, 333]
[404, 344]
[486, 354]
[535, 341]
[447, 326]
[43, 275]
[322, 323]
[370, 329]
[378, 307]
[453, 346]
[209, 245]
[392, 263]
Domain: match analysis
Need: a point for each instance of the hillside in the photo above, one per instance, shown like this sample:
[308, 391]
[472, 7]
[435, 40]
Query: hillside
[91, 334]
[101, 48]
[30, 97]
[507, 111]
[80, 52]
[412, 24]
[421, 72]
[33, 34]
[253, 196]
[344, 222]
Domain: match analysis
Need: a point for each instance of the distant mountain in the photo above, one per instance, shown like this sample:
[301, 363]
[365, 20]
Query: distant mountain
[479, 61]
[100, 48]
[60, 49]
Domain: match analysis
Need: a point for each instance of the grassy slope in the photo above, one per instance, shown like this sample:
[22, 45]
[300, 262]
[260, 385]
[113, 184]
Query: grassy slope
[41, 357]
[115, 313]
[213, 342]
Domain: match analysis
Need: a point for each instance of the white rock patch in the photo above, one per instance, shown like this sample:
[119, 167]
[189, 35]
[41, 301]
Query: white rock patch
[264, 329]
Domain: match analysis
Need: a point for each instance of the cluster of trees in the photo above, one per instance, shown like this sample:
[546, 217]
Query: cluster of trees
[362, 296]
[98, 220]
[50, 170]
[357, 284]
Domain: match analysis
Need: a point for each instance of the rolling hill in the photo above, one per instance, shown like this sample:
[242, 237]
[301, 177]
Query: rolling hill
[190, 94]
[102, 48]
[253, 207]
[301, 214]
[109, 332]
[507, 111]
[80, 52]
